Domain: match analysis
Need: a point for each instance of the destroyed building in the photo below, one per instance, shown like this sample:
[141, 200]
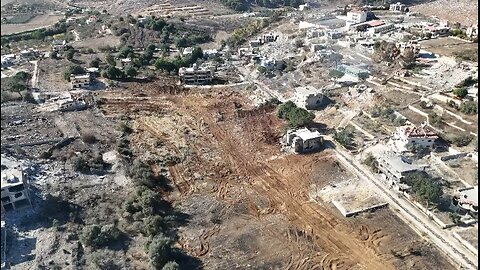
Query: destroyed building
[14, 193]
[357, 72]
[195, 75]
[466, 201]
[472, 31]
[8, 60]
[310, 98]
[410, 45]
[303, 140]
[394, 166]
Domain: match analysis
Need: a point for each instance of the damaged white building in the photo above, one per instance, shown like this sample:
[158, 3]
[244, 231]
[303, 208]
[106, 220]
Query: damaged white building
[310, 98]
[15, 194]
[303, 140]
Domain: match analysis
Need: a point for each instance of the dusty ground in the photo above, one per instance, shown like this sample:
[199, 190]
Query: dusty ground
[447, 46]
[239, 178]
[36, 23]
[463, 11]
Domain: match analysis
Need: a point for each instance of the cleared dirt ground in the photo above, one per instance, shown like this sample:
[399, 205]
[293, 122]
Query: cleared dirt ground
[36, 23]
[248, 202]
[447, 46]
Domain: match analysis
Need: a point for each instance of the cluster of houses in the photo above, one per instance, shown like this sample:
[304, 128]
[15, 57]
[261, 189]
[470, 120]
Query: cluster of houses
[395, 165]
[9, 60]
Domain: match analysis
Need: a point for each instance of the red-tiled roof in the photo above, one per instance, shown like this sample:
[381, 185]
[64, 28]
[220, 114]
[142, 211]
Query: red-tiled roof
[375, 23]
[422, 131]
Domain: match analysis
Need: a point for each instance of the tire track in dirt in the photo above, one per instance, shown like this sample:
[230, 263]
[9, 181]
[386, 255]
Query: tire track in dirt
[327, 232]
[332, 236]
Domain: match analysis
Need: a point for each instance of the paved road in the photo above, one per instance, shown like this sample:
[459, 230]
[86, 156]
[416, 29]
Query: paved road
[408, 212]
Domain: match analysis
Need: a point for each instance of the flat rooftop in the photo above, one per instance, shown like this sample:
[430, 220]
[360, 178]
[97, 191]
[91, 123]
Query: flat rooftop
[306, 134]
[395, 161]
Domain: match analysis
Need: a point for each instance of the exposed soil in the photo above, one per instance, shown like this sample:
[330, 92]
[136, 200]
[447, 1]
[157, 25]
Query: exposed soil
[249, 201]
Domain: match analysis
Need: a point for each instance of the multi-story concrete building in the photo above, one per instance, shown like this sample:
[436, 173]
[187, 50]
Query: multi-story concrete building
[80, 81]
[195, 75]
[59, 45]
[15, 194]
[356, 16]
[414, 135]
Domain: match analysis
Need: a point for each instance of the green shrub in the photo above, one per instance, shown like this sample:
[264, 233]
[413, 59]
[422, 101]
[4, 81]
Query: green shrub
[171, 266]
[344, 137]
[296, 117]
[142, 173]
[372, 162]
[425, 188]
[73, 69]
[95, 236]
[153, 225]
[160, 250]
[469, 107]
[95, 62]
[435, 120]
[460, 92]
[462, 140]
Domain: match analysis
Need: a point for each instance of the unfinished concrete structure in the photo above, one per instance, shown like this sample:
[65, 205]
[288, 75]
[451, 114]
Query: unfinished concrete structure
[270, 37]
[59, 45]
[80, 80]
[410, 45]
[466, 201]
[303, 140]
[195, 75]
[398, 7]
[15, 193]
